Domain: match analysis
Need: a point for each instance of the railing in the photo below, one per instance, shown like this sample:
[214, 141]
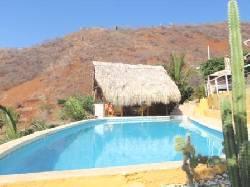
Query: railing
[223, 83]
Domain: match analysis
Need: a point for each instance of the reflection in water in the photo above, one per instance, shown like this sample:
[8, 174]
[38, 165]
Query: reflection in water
[101, 129]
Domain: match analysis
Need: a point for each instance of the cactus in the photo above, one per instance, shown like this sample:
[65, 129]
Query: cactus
[229, 143]
[244, 163]
[190, 161]
[238, 81]
[237, 146]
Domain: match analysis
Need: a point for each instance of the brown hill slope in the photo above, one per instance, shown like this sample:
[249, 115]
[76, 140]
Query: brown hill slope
[144, 45]
[58, 68]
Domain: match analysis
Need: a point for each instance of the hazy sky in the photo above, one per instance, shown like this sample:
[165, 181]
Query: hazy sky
[27, 22]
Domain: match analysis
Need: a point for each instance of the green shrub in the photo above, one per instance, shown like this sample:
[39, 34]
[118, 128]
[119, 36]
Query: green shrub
[77, 107]
[211, 66]
[73, 109]
[200, 92]
[88, 103]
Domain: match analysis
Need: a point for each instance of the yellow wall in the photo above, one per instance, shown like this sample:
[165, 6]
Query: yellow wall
[210, 106]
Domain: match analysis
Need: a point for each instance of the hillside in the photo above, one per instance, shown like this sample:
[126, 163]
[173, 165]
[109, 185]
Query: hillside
[35, 76]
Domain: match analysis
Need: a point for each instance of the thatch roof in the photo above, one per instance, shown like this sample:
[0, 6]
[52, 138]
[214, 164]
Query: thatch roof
[126, 85]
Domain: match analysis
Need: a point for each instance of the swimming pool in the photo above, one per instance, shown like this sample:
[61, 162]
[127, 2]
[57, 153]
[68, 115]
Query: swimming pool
[110, 142]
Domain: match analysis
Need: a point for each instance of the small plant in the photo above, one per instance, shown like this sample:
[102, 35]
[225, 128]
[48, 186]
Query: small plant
[38, 125]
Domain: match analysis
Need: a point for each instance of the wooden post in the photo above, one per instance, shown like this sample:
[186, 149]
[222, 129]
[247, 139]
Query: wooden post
[227, 83]
[141, 110]
[121, 111]
[216, 86]
[208, 86]
[147, 110]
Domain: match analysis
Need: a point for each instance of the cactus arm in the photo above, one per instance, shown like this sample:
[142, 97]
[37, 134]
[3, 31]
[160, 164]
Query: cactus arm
[238, 80]
[229, 143]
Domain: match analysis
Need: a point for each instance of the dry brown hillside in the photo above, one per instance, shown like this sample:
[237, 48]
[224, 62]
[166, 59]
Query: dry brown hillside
[32, 77]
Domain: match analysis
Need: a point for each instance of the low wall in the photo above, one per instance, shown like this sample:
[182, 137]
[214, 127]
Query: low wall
[210, 106]
[215, 99]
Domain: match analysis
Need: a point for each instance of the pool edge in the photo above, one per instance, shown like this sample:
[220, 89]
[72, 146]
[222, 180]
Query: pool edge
[67, 174]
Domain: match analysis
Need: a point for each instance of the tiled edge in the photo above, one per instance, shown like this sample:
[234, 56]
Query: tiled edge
[8, 179]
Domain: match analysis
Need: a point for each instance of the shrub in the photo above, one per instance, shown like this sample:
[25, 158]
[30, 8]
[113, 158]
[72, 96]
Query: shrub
[77, 107]
[88, 103]
[200, 92]
[73, 109]
[211, 66]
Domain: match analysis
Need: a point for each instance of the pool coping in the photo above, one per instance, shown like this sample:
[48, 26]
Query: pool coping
[66, 174]
[50, 175]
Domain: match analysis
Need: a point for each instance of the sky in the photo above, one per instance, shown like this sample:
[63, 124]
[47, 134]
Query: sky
[24, 23]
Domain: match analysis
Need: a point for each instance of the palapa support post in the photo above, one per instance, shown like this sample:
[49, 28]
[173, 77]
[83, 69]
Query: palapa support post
[141, 110]
[121, 111]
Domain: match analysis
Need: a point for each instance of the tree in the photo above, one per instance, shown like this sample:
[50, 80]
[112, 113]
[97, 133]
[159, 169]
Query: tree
[211, 66]
[180, 73]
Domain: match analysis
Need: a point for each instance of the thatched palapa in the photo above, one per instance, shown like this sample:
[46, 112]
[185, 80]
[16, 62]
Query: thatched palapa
[127, 85]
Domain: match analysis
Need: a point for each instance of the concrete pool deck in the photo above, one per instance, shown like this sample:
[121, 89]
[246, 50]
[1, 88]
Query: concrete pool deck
[164, 173]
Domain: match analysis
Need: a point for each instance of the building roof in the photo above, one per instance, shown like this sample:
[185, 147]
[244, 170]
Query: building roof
[221, 73]
[126, 85]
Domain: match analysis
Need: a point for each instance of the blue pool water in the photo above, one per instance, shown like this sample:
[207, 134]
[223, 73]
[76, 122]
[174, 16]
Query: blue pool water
[107, 143]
